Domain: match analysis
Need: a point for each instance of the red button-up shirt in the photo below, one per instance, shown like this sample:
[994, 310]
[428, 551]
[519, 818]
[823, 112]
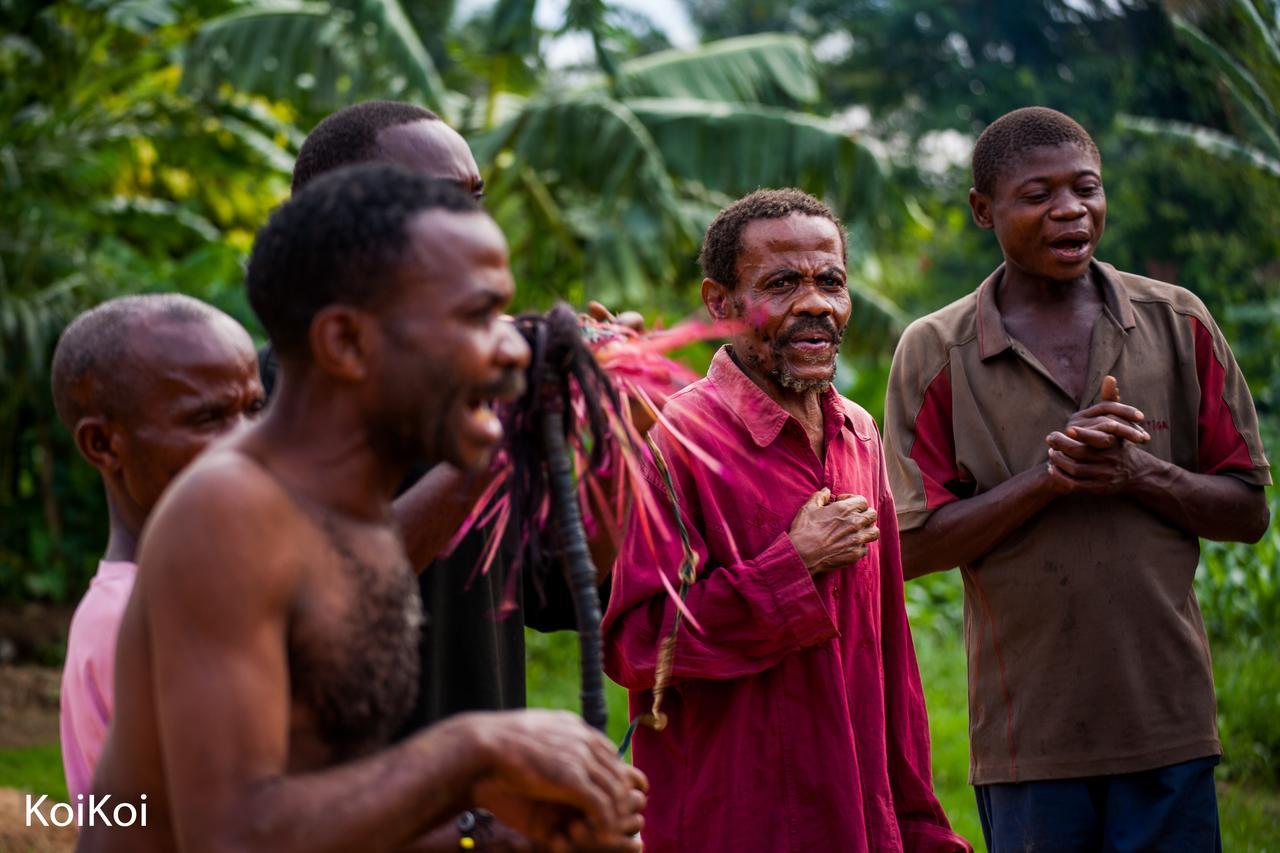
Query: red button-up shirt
[796, 718]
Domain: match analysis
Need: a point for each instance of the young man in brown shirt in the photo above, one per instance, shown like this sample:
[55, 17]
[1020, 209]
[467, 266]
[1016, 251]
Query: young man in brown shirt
[1074, 511]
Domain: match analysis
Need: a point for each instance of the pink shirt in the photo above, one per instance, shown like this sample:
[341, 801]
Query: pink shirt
[796, 718]
[88, 676]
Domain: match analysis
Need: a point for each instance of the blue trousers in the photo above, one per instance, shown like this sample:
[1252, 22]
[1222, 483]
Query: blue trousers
[1171, 808]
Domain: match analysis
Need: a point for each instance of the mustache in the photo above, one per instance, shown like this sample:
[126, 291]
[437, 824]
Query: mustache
[509, 387]
[811, 324]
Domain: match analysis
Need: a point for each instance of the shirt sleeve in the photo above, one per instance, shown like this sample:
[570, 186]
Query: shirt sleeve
[750, 613]
[921, 820]
[919, 441]
[1228, 441]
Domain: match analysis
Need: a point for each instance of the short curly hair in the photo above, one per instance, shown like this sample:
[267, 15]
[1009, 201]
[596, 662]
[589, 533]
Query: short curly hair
[350, 136]
[1016, 132]
[339, 241]
[723, 243]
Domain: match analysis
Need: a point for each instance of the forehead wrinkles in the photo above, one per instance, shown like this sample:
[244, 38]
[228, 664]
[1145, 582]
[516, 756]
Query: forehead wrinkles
[811, 261]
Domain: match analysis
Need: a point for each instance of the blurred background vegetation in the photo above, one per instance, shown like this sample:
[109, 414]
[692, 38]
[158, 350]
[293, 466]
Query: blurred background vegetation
[144, 141]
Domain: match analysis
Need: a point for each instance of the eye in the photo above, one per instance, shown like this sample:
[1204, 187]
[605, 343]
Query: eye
[257, 406]
[482, 317]
[1036, 197]
[1089, 189]
[206, 417]
[831, 281]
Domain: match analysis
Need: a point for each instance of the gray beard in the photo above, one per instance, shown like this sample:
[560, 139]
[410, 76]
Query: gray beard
[784, 378]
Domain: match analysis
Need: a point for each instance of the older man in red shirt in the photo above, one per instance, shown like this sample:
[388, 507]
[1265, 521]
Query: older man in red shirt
[794, 718]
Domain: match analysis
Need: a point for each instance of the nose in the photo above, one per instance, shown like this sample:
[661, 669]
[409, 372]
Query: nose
[813, 301]
[513, 351]
[1069, 206]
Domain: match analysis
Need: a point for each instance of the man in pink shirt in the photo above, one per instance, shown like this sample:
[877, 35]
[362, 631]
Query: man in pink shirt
[143, 383]
[794, 717]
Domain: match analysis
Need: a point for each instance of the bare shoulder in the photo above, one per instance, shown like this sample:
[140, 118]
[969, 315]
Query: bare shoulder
[224, 524]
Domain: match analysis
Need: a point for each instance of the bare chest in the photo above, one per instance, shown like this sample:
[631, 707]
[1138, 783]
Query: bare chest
[1062, 348]
[353, 645]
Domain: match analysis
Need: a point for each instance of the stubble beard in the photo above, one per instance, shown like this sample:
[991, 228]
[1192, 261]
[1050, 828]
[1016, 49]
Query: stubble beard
[781, 373]
[784, 377]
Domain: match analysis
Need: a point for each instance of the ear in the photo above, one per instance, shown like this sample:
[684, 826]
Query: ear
[343, 338]
[980, 207]
[717, 298]
[97, 440]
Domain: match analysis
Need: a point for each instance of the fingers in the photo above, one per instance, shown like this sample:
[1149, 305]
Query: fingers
[1080, 443]
[633, 320]
[598, 312]
[1110, 390]
[639, 781]
[574, 765]
[1079, 469]
[820, 498]
[1113, 408]
[851, 503]
[1120, 429]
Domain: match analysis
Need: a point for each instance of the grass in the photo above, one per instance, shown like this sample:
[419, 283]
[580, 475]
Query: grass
[37, 769]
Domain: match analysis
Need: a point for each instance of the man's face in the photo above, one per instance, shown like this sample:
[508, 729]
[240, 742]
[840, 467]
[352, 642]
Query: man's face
[197, 380]
[449, 352]
[793, 297]
[1048, 211]
[433, 149]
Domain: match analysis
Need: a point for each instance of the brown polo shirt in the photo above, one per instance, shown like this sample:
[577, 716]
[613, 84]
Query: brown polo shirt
[1087, 653]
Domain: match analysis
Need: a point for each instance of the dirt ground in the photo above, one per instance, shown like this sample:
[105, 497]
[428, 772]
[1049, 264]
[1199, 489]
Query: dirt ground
[16, 837]
[33, 639]
[28, 705]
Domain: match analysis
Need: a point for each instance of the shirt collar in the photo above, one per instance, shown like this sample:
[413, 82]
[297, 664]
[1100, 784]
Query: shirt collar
[759, 413]
[116, 569]
[992, 337]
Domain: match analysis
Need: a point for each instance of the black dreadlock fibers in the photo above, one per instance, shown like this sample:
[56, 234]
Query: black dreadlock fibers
[540, 430]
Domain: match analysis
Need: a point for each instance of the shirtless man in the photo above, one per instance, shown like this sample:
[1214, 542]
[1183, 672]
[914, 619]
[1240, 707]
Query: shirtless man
[269, 650]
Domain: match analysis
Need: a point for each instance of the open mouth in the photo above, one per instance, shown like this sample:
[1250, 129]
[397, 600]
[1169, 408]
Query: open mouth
[484, 420]
[811, 343]
[482, 407]
[1071, 247]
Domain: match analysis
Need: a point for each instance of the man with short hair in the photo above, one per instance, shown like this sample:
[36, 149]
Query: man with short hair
[269, 652]
[794, 718]
[143, 384]
[472, 652]
[1074, 508]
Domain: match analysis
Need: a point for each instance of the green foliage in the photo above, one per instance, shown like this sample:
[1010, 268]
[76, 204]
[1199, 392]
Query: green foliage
[113, 182]
[1239, 585]
[922, 65]
[767, 69]
[625, 182]
[552, 679]
[1247, 72]
[37, 769]
[324, 55]
[1246, 678]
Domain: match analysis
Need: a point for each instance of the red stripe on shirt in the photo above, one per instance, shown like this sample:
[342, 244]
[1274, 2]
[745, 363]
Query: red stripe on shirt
[934, 449]
[1222, 447]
